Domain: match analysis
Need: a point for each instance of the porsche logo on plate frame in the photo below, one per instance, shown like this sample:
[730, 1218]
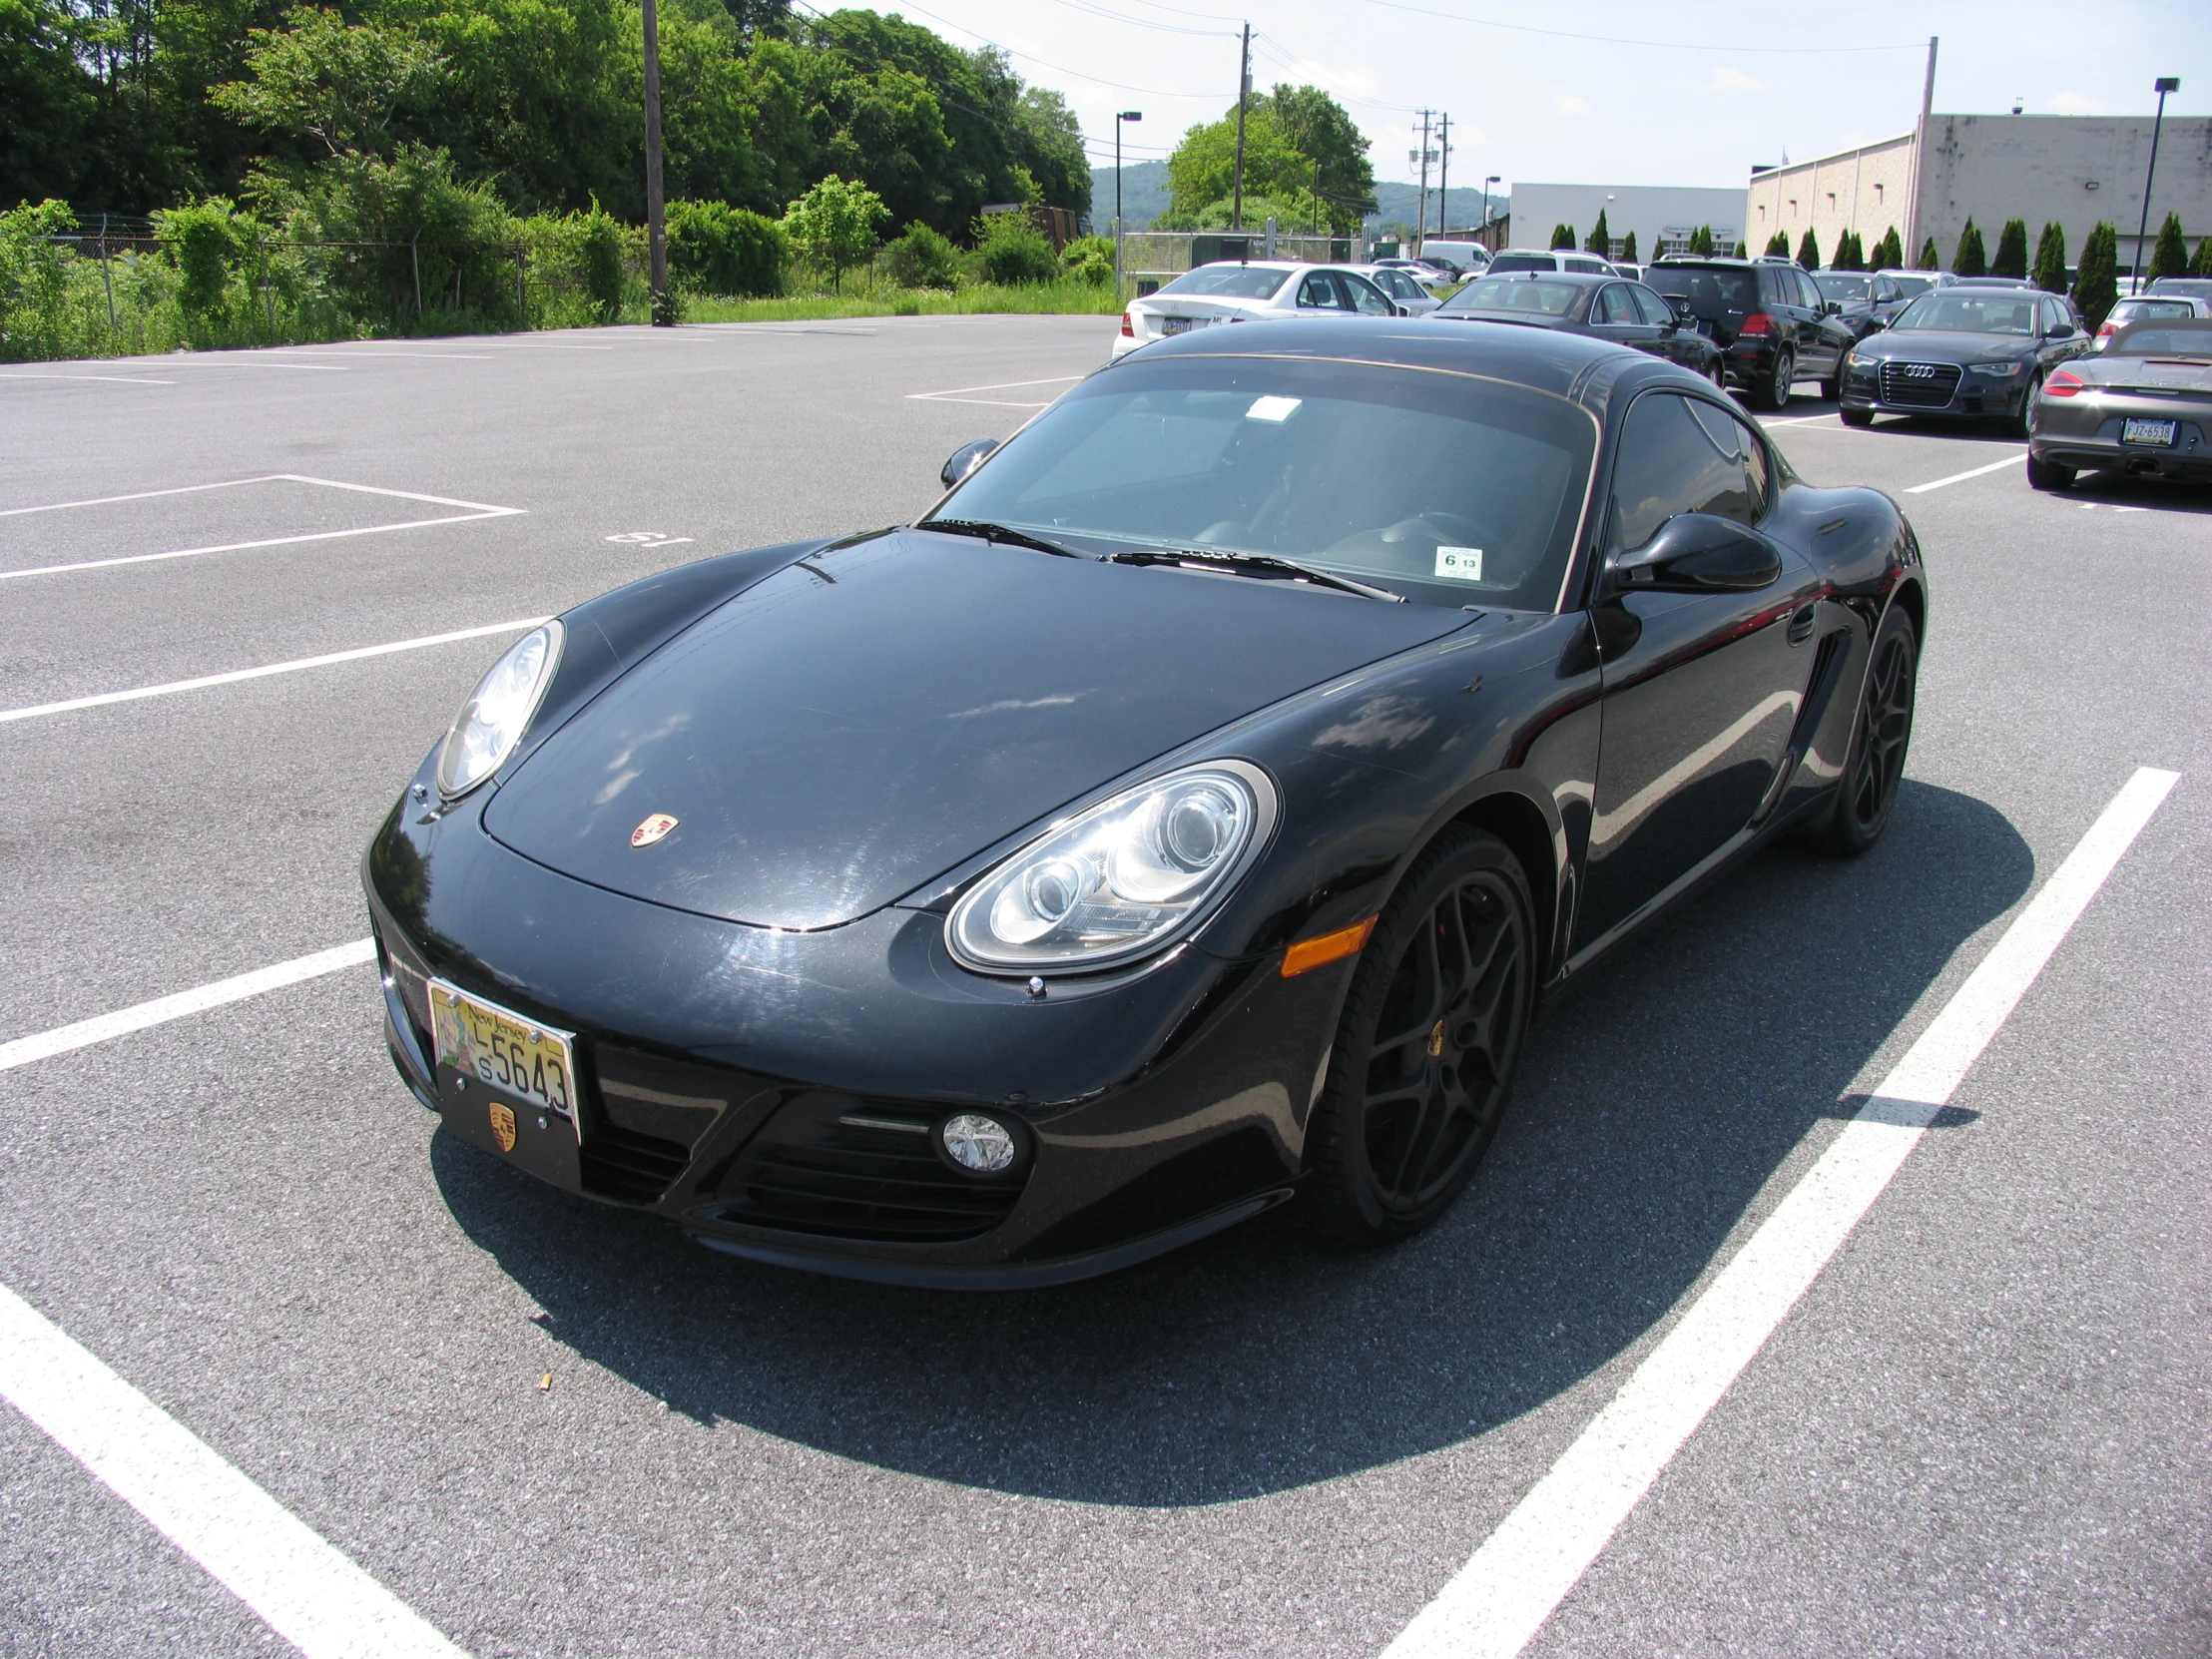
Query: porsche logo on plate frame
[652, 830]
[502, 1126]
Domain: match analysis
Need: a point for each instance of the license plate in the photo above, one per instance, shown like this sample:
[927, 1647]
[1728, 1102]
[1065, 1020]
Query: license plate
[529, 1063]
[2149, 431]
[1177, 325]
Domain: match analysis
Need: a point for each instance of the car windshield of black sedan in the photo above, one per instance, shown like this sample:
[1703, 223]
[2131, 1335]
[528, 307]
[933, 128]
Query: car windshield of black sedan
[1228, 282]
[1989, 311]
[1447, 488]
[1514, 293]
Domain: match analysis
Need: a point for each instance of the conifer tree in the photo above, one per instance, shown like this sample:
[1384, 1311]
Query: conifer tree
[1888, 253]
[1601, 239]
[2170, 258]
[1970, 260]
[1701, 241]
[1930, 260]
[1562, 235]
[2201, 265]
[1628, 249]
[2012, 260]
[2097, 284]
[1779, 244]
[1847, 256]
[2050, 259]
[1809, 252]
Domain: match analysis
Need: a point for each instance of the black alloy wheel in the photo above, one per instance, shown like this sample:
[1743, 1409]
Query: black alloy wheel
[2047, 475]
[1775, 394]
[1431, 1035]
[1878, 741]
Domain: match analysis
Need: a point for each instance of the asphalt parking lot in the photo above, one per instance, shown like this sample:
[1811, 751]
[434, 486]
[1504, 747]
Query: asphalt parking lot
[548, 1429]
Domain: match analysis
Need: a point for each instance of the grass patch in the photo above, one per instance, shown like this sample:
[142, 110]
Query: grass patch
[1034, 299]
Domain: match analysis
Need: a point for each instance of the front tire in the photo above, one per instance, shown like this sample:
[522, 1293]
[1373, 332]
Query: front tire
[1879, 741]
[1429, 1039]
[1774, 390]
[2047, 475]
[2023, 423]
[1855, 417]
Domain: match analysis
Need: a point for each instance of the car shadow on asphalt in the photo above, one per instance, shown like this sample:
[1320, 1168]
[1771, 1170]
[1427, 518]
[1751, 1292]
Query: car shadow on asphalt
[1656, 1099]
[2157, 495]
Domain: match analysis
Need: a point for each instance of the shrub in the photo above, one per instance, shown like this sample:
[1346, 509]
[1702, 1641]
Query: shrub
[1088, 260]
[1970, 260]
[1601, 239]
[2201, 265]
[2012, 256]
[1778, 245]
[1809, 252]
[832, 225]
[922, 259]
[2170, 256]
[204, 239]
[1562, 235]
[1701, 240]
[713, 247]
[1010, 251]
[1848, 255]
[1628, 249]
[1888, 253]
[1930, 260]
[2096, 284]
[2050, 259]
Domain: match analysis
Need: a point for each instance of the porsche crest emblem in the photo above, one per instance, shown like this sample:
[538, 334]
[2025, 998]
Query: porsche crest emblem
[504, 1127]
[652, 830]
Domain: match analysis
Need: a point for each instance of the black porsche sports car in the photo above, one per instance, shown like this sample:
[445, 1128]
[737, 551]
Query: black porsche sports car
[1187, 813]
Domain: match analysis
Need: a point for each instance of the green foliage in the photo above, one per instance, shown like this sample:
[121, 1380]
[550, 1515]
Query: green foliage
[922, 259]
[2012, 254]
[2050, 259]
[1970, 260]
[2169, 257]
[1888, 253]
[1562, 235]
[1340, 178]
[341, 84]
[713, 247]
[2096, 280]
[206, 241]
[1628, 249]
[47, 100]
[1701, 240]
[1930, 260]
[1778, 245]
[1010, 251]
[1088, 260]
[1300, 148]
[2201, 265]
[1601, 239]
[34, 281]
[832, 227]
[1290, 214]
[1847, 254]
[1809, 252]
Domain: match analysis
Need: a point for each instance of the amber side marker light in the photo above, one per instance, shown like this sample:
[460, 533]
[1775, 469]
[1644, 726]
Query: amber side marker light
[1309, 954]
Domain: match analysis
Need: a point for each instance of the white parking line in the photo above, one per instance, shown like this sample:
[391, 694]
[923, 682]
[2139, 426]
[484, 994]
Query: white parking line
[1498, 1601]
[288, 1573]
[112, 379]
[359, 654]
[959, 395]
[162, 1009]
[1961, 477]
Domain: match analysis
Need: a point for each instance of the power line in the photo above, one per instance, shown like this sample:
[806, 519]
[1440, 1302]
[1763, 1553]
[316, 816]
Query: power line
[1620, 40]
[1057, 69]
[1139, 22]
[1288, 59]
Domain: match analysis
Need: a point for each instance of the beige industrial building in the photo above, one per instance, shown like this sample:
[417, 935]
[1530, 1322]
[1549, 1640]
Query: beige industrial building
[2072, 169]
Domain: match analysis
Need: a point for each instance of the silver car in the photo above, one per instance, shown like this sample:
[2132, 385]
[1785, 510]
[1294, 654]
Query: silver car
[1414, 297]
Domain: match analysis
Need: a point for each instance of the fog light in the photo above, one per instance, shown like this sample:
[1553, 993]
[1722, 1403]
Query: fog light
[980, 1145]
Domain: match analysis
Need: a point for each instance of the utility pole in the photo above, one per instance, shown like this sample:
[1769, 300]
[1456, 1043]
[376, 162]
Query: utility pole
[1120, 116]
[1244, 91]
[655, 228]
[1420, 212]
[1443, 177]
[2164, 85]
[1919, 160]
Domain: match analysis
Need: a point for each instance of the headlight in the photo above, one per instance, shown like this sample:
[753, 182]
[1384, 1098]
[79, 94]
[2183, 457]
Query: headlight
[492, 721]
[1998, 371]
[1122, 879]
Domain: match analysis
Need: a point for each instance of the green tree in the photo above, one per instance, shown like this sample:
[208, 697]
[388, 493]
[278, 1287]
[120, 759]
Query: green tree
[2096, 280]
[713, 247]
[1930, 260]
[1010, 251]
[340, 84]
[1809, 251]
[1969, 259]
[1202, 171]
[1601, 239]
[2051, 259]
[1301, 150]
[922, 258]
[2169, 257]
[2201, 265]
[48, 103]
[1628, 249]
[2012, 254]
[1701, 240]
[1778, 245]
[204, 239]
[1888, 253]
[1562, 235]
[832, 227]
[1339, 174]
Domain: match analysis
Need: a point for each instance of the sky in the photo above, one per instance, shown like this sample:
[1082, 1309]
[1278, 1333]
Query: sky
[1691, 92]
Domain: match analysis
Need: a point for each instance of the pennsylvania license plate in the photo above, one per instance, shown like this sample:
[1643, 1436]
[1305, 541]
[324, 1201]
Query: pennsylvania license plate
[1177, 325]
[2149, 431]
[530, 1063]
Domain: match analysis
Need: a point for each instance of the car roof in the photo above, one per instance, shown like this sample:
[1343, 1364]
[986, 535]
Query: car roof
[1992, 283]
[1714, 262]
[1586, 279]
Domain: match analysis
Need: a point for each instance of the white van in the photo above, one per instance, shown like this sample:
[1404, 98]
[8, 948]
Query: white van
[1471, 257]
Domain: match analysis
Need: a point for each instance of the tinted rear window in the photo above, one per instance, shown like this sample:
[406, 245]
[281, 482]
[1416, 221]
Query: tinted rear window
[1230, 282]
[2165, 342]
[1515, 293]
[2127, 310]
[1709, 293]
[1843, 284]
[1524, 262]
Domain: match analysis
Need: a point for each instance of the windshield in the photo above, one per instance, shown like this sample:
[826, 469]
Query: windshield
[1914, 287]
[1968, 311]
[1710, 294]
[1514, 293]
[2165, 342]
[1842, 284]
[1447, 488]
[1231, 281]
[1524, 262]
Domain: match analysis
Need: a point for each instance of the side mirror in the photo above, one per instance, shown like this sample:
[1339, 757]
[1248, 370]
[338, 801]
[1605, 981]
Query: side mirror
[1698, 553]
[965, 461]
[1831, 308]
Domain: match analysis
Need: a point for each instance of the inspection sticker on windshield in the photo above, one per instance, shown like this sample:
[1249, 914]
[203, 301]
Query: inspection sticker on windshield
[1460, 564]
[1272, 408]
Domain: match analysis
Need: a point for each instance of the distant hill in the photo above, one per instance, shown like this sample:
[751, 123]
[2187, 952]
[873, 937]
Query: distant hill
[1144, 197]
[1395, 204]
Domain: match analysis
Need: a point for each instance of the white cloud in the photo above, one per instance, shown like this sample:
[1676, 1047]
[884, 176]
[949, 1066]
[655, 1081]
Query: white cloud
[2073, 103]
[1725, 78]
[1570, 104]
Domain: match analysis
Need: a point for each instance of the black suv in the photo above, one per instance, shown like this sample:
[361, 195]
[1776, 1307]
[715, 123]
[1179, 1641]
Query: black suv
[1771, 324]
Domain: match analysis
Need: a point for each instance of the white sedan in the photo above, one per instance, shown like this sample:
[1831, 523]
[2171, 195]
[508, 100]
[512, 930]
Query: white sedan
[1409, 288]
[1253, 291]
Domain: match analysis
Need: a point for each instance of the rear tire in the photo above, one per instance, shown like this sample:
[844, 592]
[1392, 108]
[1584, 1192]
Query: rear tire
[1856, 417]
[1774, 389]
[2023, 423]
[1832, 388]
[1426, 1048]
[1880, 738]
[2047, 475]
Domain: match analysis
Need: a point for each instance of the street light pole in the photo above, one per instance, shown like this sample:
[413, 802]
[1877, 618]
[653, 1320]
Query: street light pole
[1420, 209]
[1119, 117]
[1492, 179]
[2164, 85]
[1443, 177]
[655, 228]
[1244, 91]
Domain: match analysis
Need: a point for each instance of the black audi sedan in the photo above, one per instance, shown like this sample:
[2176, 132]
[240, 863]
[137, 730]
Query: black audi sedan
[1606, 307]
[1961, 351]
[1186, 813]
[1773, 326]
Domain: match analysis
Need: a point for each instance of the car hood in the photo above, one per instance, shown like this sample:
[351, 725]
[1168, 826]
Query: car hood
[1934, 345]
[862, 721]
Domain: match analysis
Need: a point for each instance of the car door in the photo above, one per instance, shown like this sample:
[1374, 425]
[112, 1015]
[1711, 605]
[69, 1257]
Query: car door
[1830, 336]
[1318, 296]
[2061, 338]
[1671, 339]
[1614, 315]
[1701, 690]
[1364, 297]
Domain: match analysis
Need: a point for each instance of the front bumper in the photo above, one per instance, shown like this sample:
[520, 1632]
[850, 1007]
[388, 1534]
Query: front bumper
[1976, 397]
[775, 1094]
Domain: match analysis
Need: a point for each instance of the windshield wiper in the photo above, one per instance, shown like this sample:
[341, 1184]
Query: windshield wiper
[1257, 564]
[995, 532]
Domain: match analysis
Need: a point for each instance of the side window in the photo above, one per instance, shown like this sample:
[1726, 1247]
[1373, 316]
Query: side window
[1655, 310]
[1588, 267]
[1316, 292]
[1615, 305]
[1366, 296]
[1682, 455]
[1808, 296]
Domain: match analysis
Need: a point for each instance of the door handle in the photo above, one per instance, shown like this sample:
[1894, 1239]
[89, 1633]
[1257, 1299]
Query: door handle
[1801, 621]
